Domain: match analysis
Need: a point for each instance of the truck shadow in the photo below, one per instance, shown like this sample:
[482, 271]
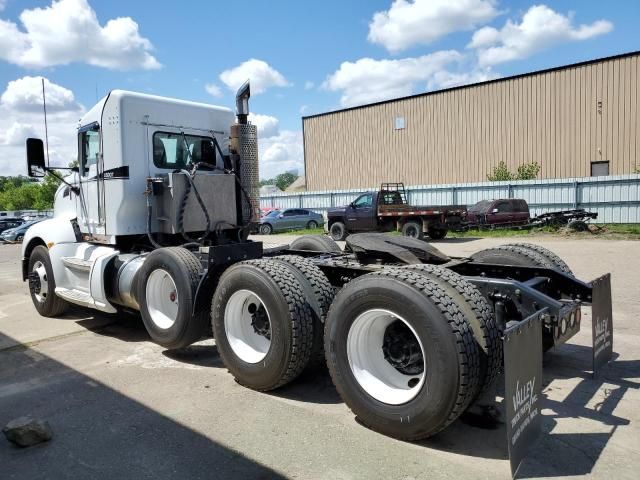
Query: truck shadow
[557, 453]
[100, 432]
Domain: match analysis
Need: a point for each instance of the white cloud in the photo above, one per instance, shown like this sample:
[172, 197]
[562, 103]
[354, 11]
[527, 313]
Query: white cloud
[21, 117]
[417, 22]
[367, 80]
[25, 95]
[18, 133]
[3, 4]
[540, 28]
[268, 126]
[68, 31]
[213, 90]
[281, 154]
[308, 85]
[303, 109]
[259, 72]
[446, 79]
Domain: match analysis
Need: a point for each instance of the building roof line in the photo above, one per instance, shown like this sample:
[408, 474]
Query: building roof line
[477, 84]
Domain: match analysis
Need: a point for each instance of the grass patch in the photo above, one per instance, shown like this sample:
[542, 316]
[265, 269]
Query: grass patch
[302, 231]
[623, 228]
[615, 230]
[502, 232]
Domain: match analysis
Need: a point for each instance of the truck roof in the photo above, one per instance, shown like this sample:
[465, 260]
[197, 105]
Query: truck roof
[120, 96]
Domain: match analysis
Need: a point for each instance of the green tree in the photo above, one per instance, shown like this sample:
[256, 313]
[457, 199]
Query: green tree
[500, 173]
[526, 171]
[284, 180]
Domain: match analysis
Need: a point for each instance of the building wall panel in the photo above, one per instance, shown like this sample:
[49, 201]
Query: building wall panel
[562, 119]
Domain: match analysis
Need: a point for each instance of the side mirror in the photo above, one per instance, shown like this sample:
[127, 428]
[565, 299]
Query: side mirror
[352, 205]
[281, 216]
[495, 210]
[35, 158]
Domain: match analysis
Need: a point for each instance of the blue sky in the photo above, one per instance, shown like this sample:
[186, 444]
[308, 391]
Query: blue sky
[307, 57]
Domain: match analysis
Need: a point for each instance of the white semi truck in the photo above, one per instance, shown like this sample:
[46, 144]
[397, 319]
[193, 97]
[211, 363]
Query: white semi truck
[156, 219]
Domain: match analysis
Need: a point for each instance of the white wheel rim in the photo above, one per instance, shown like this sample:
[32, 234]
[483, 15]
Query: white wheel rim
[371, 370]
[39, 268]
[246, 343]
[162, 299]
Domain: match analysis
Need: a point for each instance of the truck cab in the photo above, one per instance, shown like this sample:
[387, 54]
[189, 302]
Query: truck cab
[508, 211]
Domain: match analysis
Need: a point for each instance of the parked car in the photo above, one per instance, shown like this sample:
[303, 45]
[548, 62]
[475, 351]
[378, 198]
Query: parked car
[289, 219]
[9, 222]
[512, 211]
[267, 210]
[17, 234]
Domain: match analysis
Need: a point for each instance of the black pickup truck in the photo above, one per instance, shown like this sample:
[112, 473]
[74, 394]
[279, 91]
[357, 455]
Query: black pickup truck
[387, 210]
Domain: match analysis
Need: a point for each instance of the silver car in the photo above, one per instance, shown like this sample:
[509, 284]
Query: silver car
[289, 219]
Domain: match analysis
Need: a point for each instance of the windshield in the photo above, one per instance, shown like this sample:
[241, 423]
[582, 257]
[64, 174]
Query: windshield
[274, 213]
[481, 206]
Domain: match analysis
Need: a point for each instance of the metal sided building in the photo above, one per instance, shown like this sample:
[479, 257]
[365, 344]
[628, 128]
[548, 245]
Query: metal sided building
[579, 120]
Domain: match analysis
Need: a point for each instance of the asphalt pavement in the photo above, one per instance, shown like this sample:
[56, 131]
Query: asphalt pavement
[123, 407]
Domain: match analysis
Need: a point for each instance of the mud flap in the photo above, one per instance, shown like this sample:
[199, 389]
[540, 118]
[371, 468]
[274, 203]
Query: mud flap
[523, 386]
[601, 322]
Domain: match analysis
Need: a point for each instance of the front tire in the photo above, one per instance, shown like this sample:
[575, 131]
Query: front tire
[42, 285]
[401, 354]
[338, 231]
[312, 224]
[167, 284]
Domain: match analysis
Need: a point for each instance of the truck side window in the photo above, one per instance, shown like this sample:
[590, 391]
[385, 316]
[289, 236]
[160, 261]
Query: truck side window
[365, 200]
[170, 151]
[90, 145]
[504, 207]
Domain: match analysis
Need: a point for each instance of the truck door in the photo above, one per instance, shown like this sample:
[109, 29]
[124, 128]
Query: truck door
[288, 219]
[361, 214]
[90, 205]
[502, 212]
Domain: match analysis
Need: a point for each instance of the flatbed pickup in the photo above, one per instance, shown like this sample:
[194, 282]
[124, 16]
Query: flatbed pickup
[387, 210]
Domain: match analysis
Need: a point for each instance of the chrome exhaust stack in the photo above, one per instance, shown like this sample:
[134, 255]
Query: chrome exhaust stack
[244, 151]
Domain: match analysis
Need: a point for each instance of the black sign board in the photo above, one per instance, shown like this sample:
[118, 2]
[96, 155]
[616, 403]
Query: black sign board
[601, 322]
[523, 386]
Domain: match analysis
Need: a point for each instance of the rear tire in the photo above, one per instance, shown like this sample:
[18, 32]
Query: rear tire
[321, 293]
[407, 318]
[518, 256]
[167, 284]
[478, 313]
[315, 243]
[338, 231]
[557, 262]
[437, 233]
[413, 229]
[578, 226]
[42, 291]
[265, 229]
[262, 323]
[512, 255]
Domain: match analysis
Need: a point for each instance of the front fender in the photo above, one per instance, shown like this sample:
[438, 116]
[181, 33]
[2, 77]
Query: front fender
[46, 233]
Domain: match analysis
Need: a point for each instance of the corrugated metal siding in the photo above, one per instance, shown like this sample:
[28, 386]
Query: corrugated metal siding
[563, 119]
[616, 199]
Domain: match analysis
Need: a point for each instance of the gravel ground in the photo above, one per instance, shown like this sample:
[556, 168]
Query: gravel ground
[122, 407]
